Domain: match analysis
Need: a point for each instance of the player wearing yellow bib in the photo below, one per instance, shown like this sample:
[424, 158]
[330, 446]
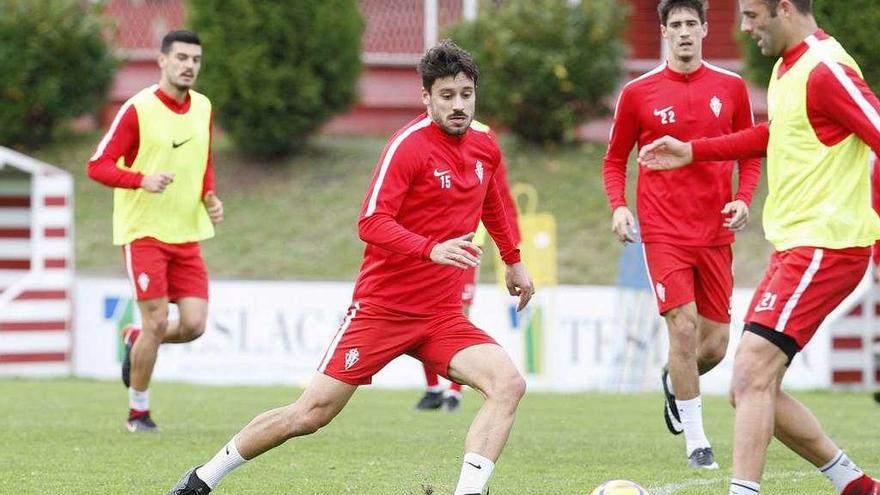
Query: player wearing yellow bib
[818, 216]
[157, 157]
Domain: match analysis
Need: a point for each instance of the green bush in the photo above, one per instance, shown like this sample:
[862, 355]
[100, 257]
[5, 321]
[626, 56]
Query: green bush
[545, 65]
[277, 70]
[54, 64]
[853, 25]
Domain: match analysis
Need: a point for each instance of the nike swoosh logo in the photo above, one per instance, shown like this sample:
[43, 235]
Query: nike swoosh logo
[440, 173]
[176, 145]
[227, 450]
[474, 465]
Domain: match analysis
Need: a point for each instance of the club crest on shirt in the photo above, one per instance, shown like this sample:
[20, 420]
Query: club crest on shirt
[715, 105]
[351, 357]
[478, 168]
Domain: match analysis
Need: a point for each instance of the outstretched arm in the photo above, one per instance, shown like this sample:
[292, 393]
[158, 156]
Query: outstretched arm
[667, 152]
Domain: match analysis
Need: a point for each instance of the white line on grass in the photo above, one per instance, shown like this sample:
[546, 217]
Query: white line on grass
[672, 488]
[677, 487]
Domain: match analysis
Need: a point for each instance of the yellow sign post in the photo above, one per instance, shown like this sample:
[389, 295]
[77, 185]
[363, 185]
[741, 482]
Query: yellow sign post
[538, 250]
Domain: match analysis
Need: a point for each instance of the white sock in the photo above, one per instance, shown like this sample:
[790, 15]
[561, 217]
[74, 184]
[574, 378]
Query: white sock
[841, 471]
[220, 465]
[475, 473]
[743, 487]
[137, 400]
[691, 413]
[436, 389]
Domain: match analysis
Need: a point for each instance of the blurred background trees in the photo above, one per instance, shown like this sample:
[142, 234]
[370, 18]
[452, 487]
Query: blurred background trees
[55, 65]
[277, 70]
[546, 65]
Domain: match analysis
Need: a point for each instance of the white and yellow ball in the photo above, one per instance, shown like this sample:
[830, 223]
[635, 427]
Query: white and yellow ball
[619, 487]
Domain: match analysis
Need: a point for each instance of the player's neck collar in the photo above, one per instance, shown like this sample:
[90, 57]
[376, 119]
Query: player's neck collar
[685, 76]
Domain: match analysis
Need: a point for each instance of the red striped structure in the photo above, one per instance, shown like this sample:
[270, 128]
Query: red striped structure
[36, 267]
[855, 339]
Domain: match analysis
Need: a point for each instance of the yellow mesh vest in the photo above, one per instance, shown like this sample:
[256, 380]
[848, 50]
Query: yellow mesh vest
[169, 142]
[818, 195]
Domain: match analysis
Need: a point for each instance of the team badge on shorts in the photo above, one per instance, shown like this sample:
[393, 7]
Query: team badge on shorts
[143, 281]
[351, 357]
[661, 292]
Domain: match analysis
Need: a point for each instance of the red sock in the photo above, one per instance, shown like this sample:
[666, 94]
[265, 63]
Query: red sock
[134, 414]
[431, 378]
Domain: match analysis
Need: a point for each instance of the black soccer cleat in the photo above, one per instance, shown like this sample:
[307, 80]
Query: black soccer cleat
[702, 458]
[429, 401]
[141, 424]
[190, 484]
[129, 335]
[670, 410]
[451, 403]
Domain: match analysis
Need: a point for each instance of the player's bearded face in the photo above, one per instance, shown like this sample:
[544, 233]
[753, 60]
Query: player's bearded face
[763, 26]
[181, 65]
[451, 102]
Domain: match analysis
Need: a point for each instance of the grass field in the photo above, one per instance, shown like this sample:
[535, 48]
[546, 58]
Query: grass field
[66, 436]
[295, 219]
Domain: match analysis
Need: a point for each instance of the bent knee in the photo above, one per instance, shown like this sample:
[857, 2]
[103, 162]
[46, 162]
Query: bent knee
[156, 327]
[510, 387]
[192, 327]
[714, 351]
[682, 325]
[744, 383]
[517, 387]
[301, 422]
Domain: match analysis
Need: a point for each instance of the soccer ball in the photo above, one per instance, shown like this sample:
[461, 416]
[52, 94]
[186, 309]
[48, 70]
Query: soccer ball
[619, 487]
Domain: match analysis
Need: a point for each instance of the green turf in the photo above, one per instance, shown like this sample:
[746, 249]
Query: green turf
[296, 219]
[66, 437]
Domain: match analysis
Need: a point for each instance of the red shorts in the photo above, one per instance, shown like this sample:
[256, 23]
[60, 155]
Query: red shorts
[157, 269]
[803, 285]
[370, 337]
[471, 275]
[681, 274]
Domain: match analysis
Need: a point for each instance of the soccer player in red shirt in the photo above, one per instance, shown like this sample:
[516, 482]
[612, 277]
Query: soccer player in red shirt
[688, 250]
[824, 120]
[435, 181]
[157, 157]
[435, 396]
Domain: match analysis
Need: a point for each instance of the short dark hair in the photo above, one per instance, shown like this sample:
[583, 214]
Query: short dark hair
[446, 59]
[803, 6]
[665, 7]
[182, 36]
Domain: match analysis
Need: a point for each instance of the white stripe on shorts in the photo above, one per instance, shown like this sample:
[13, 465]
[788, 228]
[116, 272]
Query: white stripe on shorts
[802, 286]
[126, 249]
[338, 337]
